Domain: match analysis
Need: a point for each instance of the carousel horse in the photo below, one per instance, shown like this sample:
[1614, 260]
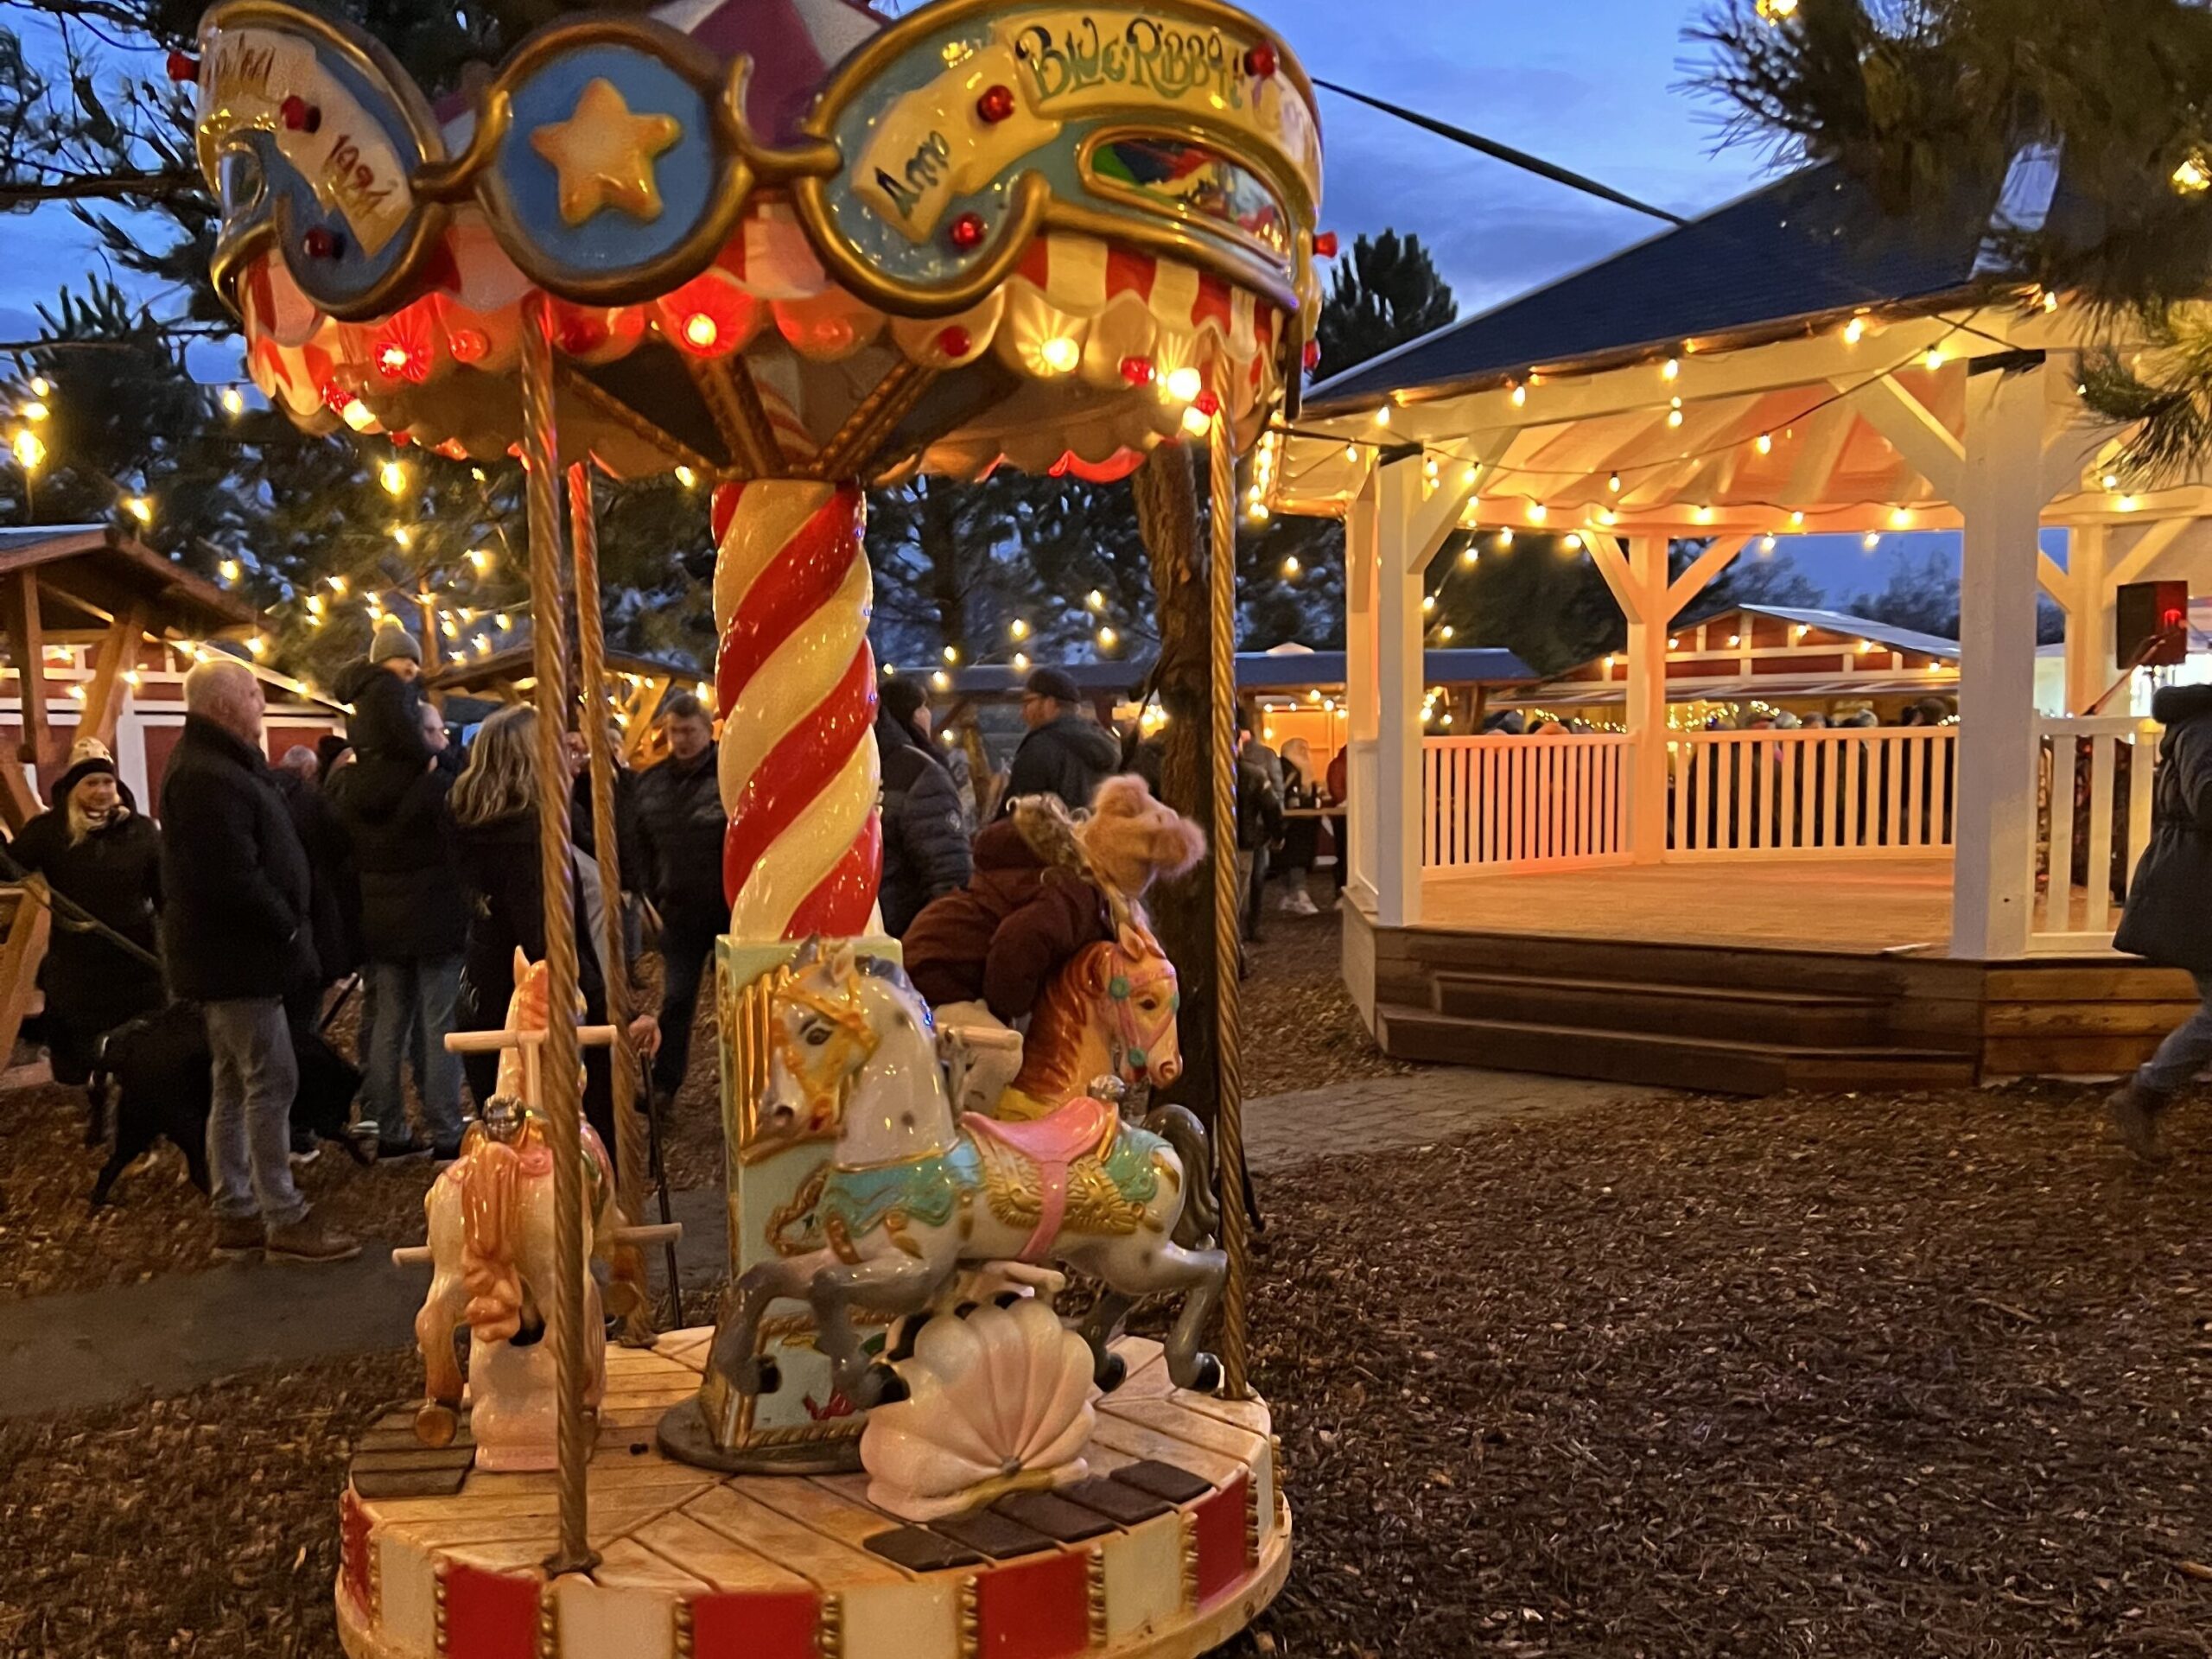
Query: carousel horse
[1108, 1013]
[492, 1220]
[913, 1194]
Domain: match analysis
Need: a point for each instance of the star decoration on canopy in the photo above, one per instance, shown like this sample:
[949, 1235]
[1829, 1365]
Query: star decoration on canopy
[604, 155]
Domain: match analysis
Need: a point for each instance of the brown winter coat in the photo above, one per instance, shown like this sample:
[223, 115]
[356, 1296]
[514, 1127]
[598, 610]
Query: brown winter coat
[1029, 908]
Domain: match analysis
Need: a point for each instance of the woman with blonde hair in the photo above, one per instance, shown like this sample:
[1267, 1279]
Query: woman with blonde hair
[494, 804]
[105, 858]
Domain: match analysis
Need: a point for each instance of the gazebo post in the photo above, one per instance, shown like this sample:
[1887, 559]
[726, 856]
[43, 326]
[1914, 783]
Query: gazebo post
[1993, 900]
[1648, 619]
[1394, 819]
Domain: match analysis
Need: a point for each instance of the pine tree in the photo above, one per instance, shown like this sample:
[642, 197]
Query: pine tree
[1384, 293]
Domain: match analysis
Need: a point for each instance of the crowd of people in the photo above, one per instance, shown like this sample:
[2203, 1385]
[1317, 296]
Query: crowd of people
[387, 860]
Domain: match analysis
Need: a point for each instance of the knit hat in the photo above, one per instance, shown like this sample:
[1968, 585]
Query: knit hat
[88, 757]
[391, 640]
[1053, 684]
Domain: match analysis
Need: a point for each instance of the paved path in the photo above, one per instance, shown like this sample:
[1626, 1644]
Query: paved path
[174, 1333]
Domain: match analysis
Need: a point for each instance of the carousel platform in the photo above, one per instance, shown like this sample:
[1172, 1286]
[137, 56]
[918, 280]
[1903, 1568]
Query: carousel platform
[1175, 1541]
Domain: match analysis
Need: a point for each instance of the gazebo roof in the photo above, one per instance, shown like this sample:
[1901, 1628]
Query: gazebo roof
[88, 574]
[1809, 245]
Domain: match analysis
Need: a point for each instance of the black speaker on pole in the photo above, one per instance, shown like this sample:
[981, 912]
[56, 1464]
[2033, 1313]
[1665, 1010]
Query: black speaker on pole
[2152, 627]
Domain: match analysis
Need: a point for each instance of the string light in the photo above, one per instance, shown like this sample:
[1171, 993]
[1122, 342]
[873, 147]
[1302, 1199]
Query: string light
[233, 404]
[1290, 568]
[1672, 370]
[1505, 537]
[1428, 600]
[1519, 395]
[1607, 515]
[1901, 519]
[479, 560]
[1537, 512]
[29, 451]
[1936, 357]
[1766, 543]
[2128, 503]
[393, 476]
[1871, 540]
[41, 386]
[941, 680]
[36, 409]
[1675, 414]
[1444, 633]
[314, 605]
[1257, 512]
[686, 477]
[258, 645]
[1197, 422]
[1703, 515]
[1797, 520]
[1018, 629]
[228, 569]
[1095, 600]
[505, 623]
[139, 507]
[1107, 639]
[1351, 452]
[1764, 443]
[1382, 416]
[952, 653]
[405, 536]
[2193, 177]
[483, 644]
[1613, 483]
[1468, 555]
[1573, 543]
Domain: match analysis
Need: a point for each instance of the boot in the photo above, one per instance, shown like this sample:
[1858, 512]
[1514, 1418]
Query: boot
[237, 1237]
[308, 1240]
[2135, 1111]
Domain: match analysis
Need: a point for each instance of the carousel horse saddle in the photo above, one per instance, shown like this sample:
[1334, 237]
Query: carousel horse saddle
[1063, 1151]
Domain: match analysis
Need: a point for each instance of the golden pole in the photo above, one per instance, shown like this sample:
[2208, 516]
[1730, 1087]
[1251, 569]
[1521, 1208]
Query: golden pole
[633, 1149]
[559, 1068]
[1228, 912]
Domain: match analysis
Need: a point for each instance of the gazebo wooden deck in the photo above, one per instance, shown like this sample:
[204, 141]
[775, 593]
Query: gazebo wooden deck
[1750, 909]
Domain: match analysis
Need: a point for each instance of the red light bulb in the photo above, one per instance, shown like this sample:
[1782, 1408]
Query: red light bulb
[967, 233]
[1260, 60]
[1207, 403]
[320, 243]
[954, 341]
[996, 104]
[182, 65]
[1312, 354]
[1325, 245]
[1139, 371]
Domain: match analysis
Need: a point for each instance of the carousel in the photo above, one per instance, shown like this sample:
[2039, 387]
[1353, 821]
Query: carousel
[798, 251]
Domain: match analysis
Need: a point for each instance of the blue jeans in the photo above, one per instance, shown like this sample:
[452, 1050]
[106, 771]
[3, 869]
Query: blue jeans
[411, 1006]
[2186, 1049]
[250, 1122]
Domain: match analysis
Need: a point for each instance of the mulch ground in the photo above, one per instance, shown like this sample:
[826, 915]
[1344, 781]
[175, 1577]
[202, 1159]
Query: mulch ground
[1862, 1376]
[1301, 1032]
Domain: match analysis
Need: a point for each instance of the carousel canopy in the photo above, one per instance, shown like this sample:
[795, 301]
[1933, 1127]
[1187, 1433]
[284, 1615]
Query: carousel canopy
[777, 237]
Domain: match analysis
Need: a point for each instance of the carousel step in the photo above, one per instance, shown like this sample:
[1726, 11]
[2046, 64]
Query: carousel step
[1738, 1013]
[1717, 1065]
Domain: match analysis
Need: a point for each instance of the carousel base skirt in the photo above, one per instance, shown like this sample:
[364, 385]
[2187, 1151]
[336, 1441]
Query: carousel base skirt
[1176, 1541]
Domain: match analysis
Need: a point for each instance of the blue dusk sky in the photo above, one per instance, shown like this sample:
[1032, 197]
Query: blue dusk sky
[1594, 85]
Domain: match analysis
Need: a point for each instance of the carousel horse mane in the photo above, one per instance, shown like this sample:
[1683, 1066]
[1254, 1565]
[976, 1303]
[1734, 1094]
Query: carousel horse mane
[1057, 1025]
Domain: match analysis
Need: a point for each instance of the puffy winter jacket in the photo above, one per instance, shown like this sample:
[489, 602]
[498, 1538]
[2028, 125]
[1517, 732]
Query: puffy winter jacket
[412, 904]
[925, 850]
[235, 877]
[1069, 757]
[2169, 914]
[680, 825]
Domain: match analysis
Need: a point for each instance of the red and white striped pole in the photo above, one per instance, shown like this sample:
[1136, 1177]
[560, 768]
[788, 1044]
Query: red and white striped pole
[795, 681]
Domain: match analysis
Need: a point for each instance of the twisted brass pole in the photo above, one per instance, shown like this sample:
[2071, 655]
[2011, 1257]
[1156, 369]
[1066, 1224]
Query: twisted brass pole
[558, 1071]
[633, 1149]
[1228, 912]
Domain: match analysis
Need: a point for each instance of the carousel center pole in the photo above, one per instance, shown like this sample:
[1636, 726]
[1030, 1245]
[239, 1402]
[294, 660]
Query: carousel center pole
[561, 1095]
[1228, 908]
[633, 1148]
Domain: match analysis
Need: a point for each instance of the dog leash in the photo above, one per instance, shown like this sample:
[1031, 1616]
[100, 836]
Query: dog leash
[67, 910]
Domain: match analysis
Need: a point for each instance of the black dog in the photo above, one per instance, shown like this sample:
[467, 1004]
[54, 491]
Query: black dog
[164, 1074]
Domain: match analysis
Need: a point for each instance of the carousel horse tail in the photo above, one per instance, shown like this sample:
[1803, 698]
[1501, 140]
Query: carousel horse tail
[1200, 1219]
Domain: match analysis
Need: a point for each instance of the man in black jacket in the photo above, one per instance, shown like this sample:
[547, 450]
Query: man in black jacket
[235, 936]
[925, 849]
[1066, 752]
[2169, 913]
[680, 825]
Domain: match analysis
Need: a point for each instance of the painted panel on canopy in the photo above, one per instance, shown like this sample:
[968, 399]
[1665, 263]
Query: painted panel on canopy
[295, 120]
[615, 236]
[941, 133]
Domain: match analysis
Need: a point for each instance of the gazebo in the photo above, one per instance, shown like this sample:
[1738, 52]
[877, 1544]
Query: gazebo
[1757, 909]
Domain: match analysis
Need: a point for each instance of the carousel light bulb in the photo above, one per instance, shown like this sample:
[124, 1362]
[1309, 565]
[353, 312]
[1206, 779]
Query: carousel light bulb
[1702, 515]
[478, 474]
[1520, 394]
[701, 331]
[2111, 481]
[1197, 422]
[2193, 177]
[449, 627]
[1674, 642]
[1018, 628]
[1675, 415]
[686, 477]
[1428, 466]
[229, 569]
[233, 401]
[2050, 300]
[1060, 354]
[1607, 515]
[1183, 384]
[2128, 503]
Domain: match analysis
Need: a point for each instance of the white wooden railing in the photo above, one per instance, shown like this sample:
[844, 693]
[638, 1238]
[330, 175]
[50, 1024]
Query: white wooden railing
[1855, 793]
[1518, 802]
[2095, 822]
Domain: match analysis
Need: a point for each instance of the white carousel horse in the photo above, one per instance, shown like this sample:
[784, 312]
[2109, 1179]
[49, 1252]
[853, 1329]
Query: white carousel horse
[911, 1194]
[491, 1216]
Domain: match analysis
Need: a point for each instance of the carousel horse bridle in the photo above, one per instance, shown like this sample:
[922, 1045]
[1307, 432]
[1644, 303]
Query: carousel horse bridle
[850, 1042]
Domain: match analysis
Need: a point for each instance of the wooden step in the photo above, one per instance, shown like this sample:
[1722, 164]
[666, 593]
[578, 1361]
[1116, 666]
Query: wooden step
[1716, 1066]
[1732, 1012]
[1751, 968]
